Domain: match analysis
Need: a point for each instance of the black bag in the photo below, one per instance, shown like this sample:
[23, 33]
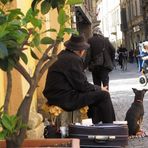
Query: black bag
[51, 132]
[98, 60]
[100, 135]
[108, 64]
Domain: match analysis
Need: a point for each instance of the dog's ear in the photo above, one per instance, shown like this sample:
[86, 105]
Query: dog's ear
[145, 90]
[134, 90]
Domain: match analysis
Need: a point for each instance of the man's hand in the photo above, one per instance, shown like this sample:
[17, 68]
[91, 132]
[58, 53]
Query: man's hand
[105, 88]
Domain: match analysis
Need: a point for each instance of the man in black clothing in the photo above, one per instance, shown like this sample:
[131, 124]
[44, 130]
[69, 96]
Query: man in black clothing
[122, 52]
[67, 86]
[99, 44]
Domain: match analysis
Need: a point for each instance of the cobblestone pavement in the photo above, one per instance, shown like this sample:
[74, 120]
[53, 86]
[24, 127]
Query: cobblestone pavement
[121, 84]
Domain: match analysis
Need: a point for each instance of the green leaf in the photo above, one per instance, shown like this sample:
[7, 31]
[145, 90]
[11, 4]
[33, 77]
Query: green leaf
[14, 13]
[2, 135]
[10, 125]
[11, 62]
[20, 36]
[24, 58]
[31, 16]
[4, 64]
[47, 40]
[34, 3]
[2, 19]
[50, 30]
[13, 120]
[36, 40]
[70, 30]
[61, 2]
[34, 55]
[62, 18]
[6, 122]
[36, 23]
[3, 30]
[4, 1]
[45, 7]
[61, 33]
[11, 44]
[74, 2]
[3, 51]
[54, 3]
[13, 25]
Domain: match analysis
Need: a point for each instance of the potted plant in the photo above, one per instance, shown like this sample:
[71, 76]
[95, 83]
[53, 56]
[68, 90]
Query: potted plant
[16, 36]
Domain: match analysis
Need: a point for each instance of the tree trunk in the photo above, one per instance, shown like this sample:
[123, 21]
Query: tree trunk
[23, 112]
[11, 144]
[8, 92]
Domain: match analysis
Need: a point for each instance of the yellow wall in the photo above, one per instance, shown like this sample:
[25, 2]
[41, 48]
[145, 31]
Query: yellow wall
[25, 5]
[53, 23]
[16, 95]
[1, 88]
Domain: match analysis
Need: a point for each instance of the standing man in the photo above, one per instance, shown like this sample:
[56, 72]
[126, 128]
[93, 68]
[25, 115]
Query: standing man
[99, 44]
[67, 86]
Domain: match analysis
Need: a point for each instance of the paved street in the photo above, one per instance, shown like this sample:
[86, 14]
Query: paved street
[121, 84]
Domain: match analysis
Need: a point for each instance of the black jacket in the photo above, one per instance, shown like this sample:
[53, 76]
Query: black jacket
[97, 44]
[66, 79]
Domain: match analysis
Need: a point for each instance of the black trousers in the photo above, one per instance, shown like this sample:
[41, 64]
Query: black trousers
[99, 102]
[100, 76]
[102, 110]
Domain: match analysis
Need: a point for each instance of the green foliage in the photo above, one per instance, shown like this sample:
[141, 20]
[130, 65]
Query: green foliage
[62, 18]
[74, 2]
[45, 7]
[47, 40]
[5, 1]
[33, 54]
[14, 34]
[10, 125]
[14, 31]
[4, 51]
[54, 4]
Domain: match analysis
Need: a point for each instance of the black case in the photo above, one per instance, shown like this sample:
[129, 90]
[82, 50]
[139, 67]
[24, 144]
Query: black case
[100, 135]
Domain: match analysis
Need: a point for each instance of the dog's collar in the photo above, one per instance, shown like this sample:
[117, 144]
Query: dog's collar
[139, 101]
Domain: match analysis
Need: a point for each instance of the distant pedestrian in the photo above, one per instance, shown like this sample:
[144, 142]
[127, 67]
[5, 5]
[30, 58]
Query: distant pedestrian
[131, 56]
[100, 58]
[122, 51]
[136, 54]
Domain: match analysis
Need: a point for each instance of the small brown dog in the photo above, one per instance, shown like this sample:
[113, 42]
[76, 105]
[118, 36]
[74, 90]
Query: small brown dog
[134, 115]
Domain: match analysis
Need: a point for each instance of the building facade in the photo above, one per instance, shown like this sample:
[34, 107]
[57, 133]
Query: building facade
[134, 16]
[110, 20]
[86, 17]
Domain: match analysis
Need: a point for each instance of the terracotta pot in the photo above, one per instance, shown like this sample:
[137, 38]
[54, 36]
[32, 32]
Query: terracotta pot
[59, 142]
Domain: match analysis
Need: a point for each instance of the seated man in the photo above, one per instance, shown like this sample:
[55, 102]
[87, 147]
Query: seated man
[67, 86]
